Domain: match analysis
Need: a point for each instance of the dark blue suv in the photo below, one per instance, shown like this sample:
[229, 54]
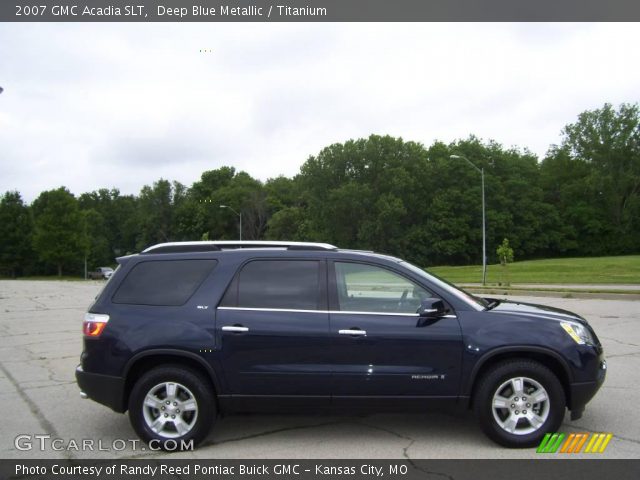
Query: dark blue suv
[185, 331]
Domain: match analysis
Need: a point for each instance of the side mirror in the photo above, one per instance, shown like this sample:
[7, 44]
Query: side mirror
[431, 308]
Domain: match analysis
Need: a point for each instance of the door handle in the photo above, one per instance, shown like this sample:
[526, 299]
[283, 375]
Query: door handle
[234, 328]
[352, 332]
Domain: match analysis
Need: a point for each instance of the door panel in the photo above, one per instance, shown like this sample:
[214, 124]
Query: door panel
[397, 356]
[274, 330]
[401, 354]
[281, 353]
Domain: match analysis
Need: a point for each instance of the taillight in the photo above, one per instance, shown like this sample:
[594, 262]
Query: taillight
[94, 324]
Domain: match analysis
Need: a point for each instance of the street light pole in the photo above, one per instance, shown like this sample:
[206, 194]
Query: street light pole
[484, 225]
[238, 214]
[484, 234]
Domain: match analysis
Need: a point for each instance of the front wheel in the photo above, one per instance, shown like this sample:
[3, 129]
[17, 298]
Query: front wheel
[518, 401]
[172, 407]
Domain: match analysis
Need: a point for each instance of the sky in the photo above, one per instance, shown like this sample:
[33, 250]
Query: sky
[110, 105]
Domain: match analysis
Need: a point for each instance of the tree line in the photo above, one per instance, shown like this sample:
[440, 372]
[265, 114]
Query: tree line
[378, 193]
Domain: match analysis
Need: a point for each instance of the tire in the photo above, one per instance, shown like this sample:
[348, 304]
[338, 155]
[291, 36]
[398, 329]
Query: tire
[155, 413]
[514, 386]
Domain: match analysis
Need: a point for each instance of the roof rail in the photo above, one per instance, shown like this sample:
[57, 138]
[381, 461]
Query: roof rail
[209, 246]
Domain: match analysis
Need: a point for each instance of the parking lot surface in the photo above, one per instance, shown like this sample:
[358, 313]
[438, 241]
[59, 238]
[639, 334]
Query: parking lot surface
[40, 332]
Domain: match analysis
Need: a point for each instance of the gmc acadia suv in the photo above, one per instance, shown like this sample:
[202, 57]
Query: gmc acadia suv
[185, 331]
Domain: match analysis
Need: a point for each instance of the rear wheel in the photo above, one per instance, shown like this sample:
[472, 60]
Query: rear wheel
[172, 407]
[518, 401]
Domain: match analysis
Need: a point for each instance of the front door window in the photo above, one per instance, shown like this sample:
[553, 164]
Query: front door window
[367, 288]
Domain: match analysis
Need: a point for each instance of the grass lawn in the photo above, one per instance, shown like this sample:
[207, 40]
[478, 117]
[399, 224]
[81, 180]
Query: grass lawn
[614, 270]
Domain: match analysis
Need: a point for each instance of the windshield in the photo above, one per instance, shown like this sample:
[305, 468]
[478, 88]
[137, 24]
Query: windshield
[476, 302]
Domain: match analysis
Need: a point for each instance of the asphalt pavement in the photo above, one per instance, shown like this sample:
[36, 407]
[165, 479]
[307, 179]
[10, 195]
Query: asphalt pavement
[44, 417]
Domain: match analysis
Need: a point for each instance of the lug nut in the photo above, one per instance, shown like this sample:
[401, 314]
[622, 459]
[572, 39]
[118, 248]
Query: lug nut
[528, 405]
[168, 402]
[513, 405]
[166, 414]
[524, 411]
[517, 412]
[175, 404]
[163, 407]
[524, 399]
[516, 399]
[173, 416]
[178, 411]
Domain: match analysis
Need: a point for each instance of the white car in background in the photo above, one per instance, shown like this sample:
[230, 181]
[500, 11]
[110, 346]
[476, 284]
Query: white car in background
[101, 273]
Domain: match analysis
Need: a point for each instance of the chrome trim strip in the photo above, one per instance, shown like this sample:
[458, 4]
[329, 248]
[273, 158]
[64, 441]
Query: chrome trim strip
[333, 312]
[255, 309]
[389, 314]
[234, 328]
[352, 332]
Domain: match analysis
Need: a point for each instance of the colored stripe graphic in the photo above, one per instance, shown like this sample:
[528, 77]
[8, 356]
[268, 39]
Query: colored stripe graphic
[550, 443]
[606, 442]
[574, 442]
[543, 443]
[581, 443]
[598, 443]
[570, 441]
[590, 444]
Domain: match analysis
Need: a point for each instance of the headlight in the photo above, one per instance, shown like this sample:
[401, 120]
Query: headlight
[578, 332]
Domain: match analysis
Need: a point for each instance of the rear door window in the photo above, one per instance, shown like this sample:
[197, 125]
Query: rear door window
[279, 284]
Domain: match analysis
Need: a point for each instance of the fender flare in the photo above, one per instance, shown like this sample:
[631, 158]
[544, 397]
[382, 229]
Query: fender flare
[175, 353]
[515, 349]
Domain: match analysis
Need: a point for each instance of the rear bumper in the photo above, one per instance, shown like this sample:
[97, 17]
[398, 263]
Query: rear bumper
[103, 389]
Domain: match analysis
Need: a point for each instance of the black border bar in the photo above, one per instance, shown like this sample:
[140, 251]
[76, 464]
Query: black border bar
[288, 469]
[319, 10]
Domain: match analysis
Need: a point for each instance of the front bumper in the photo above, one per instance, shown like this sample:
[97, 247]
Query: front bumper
[581, 393]
[104, 389]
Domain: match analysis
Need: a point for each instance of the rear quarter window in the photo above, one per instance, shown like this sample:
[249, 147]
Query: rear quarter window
[163, 282]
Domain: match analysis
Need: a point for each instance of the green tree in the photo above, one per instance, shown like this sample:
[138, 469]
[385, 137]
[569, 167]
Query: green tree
[289, 223]
[94, 242]
[58, 229]
[15, 234]
[515, 203]
[505, 255]
[582, 225]
[286, 209]
[608, 142]
[238, 190]
[366, 193]
[117, 227]
[157, 206]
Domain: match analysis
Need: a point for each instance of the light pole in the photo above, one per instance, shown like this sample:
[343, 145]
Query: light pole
[484, 228]
[238, 214]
